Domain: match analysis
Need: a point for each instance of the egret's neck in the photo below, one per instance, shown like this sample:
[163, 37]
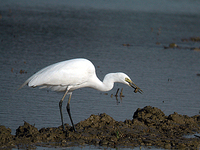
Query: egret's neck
[107, 84]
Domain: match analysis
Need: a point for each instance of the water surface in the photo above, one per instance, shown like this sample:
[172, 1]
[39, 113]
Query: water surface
[35, 34]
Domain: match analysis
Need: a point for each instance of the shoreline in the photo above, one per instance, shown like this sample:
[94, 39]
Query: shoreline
[149, 127]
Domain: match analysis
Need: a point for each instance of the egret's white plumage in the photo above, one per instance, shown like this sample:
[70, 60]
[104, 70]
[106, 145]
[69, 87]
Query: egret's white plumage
[73, 74]
[59, 76]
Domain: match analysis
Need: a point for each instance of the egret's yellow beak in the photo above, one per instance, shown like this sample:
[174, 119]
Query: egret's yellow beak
[131, 84]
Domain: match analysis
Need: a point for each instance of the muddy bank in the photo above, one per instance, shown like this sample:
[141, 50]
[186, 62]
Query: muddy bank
[149, 127]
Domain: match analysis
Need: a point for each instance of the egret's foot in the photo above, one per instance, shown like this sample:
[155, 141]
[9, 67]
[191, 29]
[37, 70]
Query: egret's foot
[63, 129]
[73, 129]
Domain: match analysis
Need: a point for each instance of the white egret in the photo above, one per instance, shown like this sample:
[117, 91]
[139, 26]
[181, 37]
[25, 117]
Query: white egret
[69, 75]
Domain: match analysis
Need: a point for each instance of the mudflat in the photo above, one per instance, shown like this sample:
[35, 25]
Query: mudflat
[149, 127]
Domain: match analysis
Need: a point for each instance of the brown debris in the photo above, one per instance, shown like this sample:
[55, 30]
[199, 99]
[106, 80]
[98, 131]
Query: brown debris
[193, 39]
[22, 71]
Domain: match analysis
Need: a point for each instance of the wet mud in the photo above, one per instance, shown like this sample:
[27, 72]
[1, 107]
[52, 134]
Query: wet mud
[148, 127]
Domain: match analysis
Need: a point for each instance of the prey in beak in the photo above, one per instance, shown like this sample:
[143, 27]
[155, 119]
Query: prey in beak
[133, 85]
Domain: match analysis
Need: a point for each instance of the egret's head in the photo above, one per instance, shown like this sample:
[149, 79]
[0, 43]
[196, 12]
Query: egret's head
[133, 85]
[121, 78]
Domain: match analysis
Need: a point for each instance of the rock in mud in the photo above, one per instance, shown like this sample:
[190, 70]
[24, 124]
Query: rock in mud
[149, 127]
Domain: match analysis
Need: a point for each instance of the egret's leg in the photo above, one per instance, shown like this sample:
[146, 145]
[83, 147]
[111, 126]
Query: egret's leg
[68, 110]
[60, 106]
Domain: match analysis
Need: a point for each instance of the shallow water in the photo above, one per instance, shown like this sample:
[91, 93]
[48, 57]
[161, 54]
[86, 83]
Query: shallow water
[34, 35]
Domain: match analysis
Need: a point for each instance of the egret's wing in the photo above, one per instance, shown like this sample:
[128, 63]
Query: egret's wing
[60, 75]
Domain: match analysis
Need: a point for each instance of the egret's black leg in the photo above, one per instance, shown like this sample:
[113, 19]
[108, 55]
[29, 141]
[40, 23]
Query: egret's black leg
[61, 115]
[60, 106]
[68, 110]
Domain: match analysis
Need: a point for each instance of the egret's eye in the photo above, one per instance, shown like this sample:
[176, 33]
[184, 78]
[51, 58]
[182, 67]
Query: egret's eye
[128, 80]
